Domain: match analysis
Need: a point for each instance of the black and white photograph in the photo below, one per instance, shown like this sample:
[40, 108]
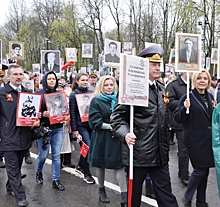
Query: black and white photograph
[103, 70]
[29, 84]
[112, 52]
[16, 50]
[71, 54]
[172, 56]
[87, 50]
[127, 48]
[36, 68]
[29, 105]
[214, 56]
[50, 61]
[83, 103]
[188, 52]
[57, 105]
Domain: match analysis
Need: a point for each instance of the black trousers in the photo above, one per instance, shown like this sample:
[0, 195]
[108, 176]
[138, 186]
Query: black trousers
[183, 157]
[161, 183]
[13, 163]
[198, 181]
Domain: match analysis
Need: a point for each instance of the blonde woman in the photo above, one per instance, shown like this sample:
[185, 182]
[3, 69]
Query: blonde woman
[105, 150]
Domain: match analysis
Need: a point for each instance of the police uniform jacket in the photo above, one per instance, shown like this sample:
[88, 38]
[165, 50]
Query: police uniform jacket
[151, 146]
[13, 138]
[197, 128]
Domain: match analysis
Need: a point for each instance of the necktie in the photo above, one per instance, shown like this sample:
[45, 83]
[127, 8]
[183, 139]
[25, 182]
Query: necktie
[18, 89]
[50, 66]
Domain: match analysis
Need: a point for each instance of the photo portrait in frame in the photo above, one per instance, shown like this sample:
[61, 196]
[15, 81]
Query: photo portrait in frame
[29, 84]
[29, 104]
[214, 56]
[112, 52]
[127, 48]
[50, 61]
[172, 56]
[57, 106]
[87, 50]
[188, 52]
[83, 103]
[103, 70]
[36, 68]
[16, 50]
[71, 54]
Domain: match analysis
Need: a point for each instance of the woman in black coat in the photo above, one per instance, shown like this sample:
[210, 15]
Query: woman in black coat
[197, 135]
[105, 151]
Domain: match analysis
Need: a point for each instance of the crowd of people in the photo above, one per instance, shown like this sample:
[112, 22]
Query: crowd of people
[106, 132]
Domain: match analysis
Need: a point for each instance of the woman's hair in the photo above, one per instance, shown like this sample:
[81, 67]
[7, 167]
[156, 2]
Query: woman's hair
[99, 87]
[78, 76]
[195, 76]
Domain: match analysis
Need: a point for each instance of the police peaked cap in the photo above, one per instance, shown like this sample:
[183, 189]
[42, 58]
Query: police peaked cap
[154, 53]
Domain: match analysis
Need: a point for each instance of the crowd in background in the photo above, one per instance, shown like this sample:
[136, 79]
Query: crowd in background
[182, 129]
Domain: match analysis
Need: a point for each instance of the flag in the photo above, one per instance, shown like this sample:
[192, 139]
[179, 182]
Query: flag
[84, 150]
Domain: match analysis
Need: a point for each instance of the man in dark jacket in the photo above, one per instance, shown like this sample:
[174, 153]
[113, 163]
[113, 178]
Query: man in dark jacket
[149, 140]
[14, 140]
[175, 90]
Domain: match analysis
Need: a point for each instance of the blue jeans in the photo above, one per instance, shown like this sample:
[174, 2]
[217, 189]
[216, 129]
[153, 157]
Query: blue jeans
[56, 142]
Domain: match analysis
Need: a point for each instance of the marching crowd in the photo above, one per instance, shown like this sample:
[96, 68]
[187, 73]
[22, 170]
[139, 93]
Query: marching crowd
[107, 133]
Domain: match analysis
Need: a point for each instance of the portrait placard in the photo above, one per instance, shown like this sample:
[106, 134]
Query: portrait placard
[50, 61]
[188, 52]
[16, 50]
[71, 54]
[83, 102]
[29, 84]
[127, 48]
[134, 76]
[172, 57]
[103, 70]
[28, 105]
[214, 56]
[36, 68]
[57, 106]
[87, 50]
[112, 52]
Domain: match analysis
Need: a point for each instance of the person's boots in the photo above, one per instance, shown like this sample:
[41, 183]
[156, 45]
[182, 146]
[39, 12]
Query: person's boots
[39, 178]
[124, 199]
[102, 196]
[149, 189]
[201, 204]
[27, 158]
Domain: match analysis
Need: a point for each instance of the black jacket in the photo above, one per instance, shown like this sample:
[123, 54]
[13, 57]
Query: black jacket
[175, 90]
[13, 138]
[197, 128]
[46, 90]
[75, 119]
[150, 127]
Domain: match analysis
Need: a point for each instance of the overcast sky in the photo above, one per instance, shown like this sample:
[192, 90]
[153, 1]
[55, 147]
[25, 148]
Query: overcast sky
[4, 10]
